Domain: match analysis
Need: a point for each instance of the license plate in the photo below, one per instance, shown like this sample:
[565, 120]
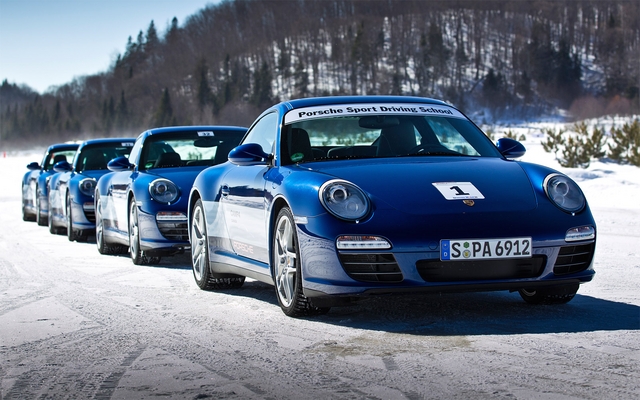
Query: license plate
[484, 249]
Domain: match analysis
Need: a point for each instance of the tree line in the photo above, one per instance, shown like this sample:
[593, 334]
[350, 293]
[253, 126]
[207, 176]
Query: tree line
[227, 62]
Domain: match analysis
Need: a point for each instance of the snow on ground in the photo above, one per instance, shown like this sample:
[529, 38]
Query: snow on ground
[75, 324]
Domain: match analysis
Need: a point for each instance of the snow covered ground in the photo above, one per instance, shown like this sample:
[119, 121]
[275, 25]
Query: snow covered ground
[76, 324]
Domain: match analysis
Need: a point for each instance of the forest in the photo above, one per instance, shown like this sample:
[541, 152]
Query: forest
[494, 60]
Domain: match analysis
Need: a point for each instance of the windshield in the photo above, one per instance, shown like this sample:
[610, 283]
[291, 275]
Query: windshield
[188, 148]
[380, 135]
[95, 157]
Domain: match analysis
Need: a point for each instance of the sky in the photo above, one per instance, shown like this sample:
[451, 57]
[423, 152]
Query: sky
[46, 43]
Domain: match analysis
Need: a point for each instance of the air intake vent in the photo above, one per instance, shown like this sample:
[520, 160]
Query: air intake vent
[572, 259]
[478, 270]
[174, 230]
[368, 267]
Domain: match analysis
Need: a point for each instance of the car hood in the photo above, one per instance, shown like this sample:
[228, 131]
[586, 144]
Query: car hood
[408, 184]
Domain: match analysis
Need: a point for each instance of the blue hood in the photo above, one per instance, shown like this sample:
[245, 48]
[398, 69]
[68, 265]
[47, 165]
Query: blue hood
[407, 184]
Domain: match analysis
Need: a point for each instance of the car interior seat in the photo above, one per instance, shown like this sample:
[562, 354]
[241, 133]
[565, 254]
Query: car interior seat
[95, 161]
[296, 146]
[397, 140]
[171, 159]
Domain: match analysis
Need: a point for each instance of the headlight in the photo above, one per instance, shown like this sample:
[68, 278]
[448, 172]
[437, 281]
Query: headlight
[163, 191]
[87, 186]
[564, 192]
[344, 200]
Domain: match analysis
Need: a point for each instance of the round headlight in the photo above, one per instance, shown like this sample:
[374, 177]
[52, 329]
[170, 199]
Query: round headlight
[163, 191]
[564, 193]
[344, 200]
[87, 186]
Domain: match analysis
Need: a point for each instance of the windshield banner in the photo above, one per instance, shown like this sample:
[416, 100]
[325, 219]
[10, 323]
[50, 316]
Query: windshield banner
[349, 110]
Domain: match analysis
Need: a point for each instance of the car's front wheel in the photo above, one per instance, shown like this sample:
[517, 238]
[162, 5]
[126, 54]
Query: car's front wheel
[71, 234]
[549, 295]
[101, 243]
[287, 271]
[137, 255]
[200, 255]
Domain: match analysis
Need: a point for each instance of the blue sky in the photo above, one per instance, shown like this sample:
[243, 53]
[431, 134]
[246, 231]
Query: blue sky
[49, 42]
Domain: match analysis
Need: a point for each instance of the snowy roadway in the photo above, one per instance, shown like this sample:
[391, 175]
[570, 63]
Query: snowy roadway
[75, 324]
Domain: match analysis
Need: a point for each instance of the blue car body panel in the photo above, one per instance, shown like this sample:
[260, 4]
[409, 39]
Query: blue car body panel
[117, 189]
[34, 182]
[90, 162]
[407, 209]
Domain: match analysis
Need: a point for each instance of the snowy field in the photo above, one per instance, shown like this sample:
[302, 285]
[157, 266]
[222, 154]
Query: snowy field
[77, 324]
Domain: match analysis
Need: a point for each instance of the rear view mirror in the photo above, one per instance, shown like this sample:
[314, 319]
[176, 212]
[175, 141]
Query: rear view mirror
[33, 166]
[510, 148]
[378, 122]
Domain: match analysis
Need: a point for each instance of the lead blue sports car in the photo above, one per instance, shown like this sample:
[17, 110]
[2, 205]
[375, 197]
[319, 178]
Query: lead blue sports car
[34, 182]
[142, 205]
[71, 190]
[335, 199]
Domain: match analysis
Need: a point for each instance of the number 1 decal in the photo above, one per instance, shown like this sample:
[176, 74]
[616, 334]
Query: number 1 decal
[458, 190]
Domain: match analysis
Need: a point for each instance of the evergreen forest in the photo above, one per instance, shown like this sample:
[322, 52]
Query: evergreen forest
[495, 60]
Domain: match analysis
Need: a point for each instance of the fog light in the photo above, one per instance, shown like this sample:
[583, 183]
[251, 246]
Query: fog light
[362, 243]
[580, 233]
[171, 216]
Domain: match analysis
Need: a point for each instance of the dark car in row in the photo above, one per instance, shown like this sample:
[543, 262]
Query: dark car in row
[71, 189]
[34, 183]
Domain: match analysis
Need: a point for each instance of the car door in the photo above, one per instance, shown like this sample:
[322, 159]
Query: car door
[243, 197]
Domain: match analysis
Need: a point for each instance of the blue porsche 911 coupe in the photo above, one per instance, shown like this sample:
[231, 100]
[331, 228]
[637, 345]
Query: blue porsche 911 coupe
[336, 199]
[71, 190]
[34, 182]
[142, 204]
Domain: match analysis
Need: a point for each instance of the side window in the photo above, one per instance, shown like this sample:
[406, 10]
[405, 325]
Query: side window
[264, 132]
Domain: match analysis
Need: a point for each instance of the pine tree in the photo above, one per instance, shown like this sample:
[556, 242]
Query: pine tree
[164, 114]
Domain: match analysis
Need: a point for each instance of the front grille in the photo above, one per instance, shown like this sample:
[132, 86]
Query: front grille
[174, 230]
[478, 270]
[371, 267]
[90, 215]
[573, 259]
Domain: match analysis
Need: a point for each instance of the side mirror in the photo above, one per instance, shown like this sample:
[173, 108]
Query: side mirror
[248, 154]
[62, 166]
[119, 164]
[33, 166]
[510, 148]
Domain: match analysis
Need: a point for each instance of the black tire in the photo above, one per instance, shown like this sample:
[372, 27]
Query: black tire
[287, 276]
[137, 255]
[200, 255]
[54, 230]
[71, 235]
[26, 216]
[549, 295]
[39, 219]
[101, 243]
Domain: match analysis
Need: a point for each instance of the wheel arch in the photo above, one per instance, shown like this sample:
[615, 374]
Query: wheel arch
[194, 196]
[278, 204]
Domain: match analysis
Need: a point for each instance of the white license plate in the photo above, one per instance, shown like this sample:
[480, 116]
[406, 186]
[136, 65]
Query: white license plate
[484, 249]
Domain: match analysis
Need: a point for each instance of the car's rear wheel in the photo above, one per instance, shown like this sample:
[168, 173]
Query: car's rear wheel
[71, 234]
[287, 273]
[54, 230]
[26, 216]
[200, 255]
[137, 255]
[39, 219]
[561, 294]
